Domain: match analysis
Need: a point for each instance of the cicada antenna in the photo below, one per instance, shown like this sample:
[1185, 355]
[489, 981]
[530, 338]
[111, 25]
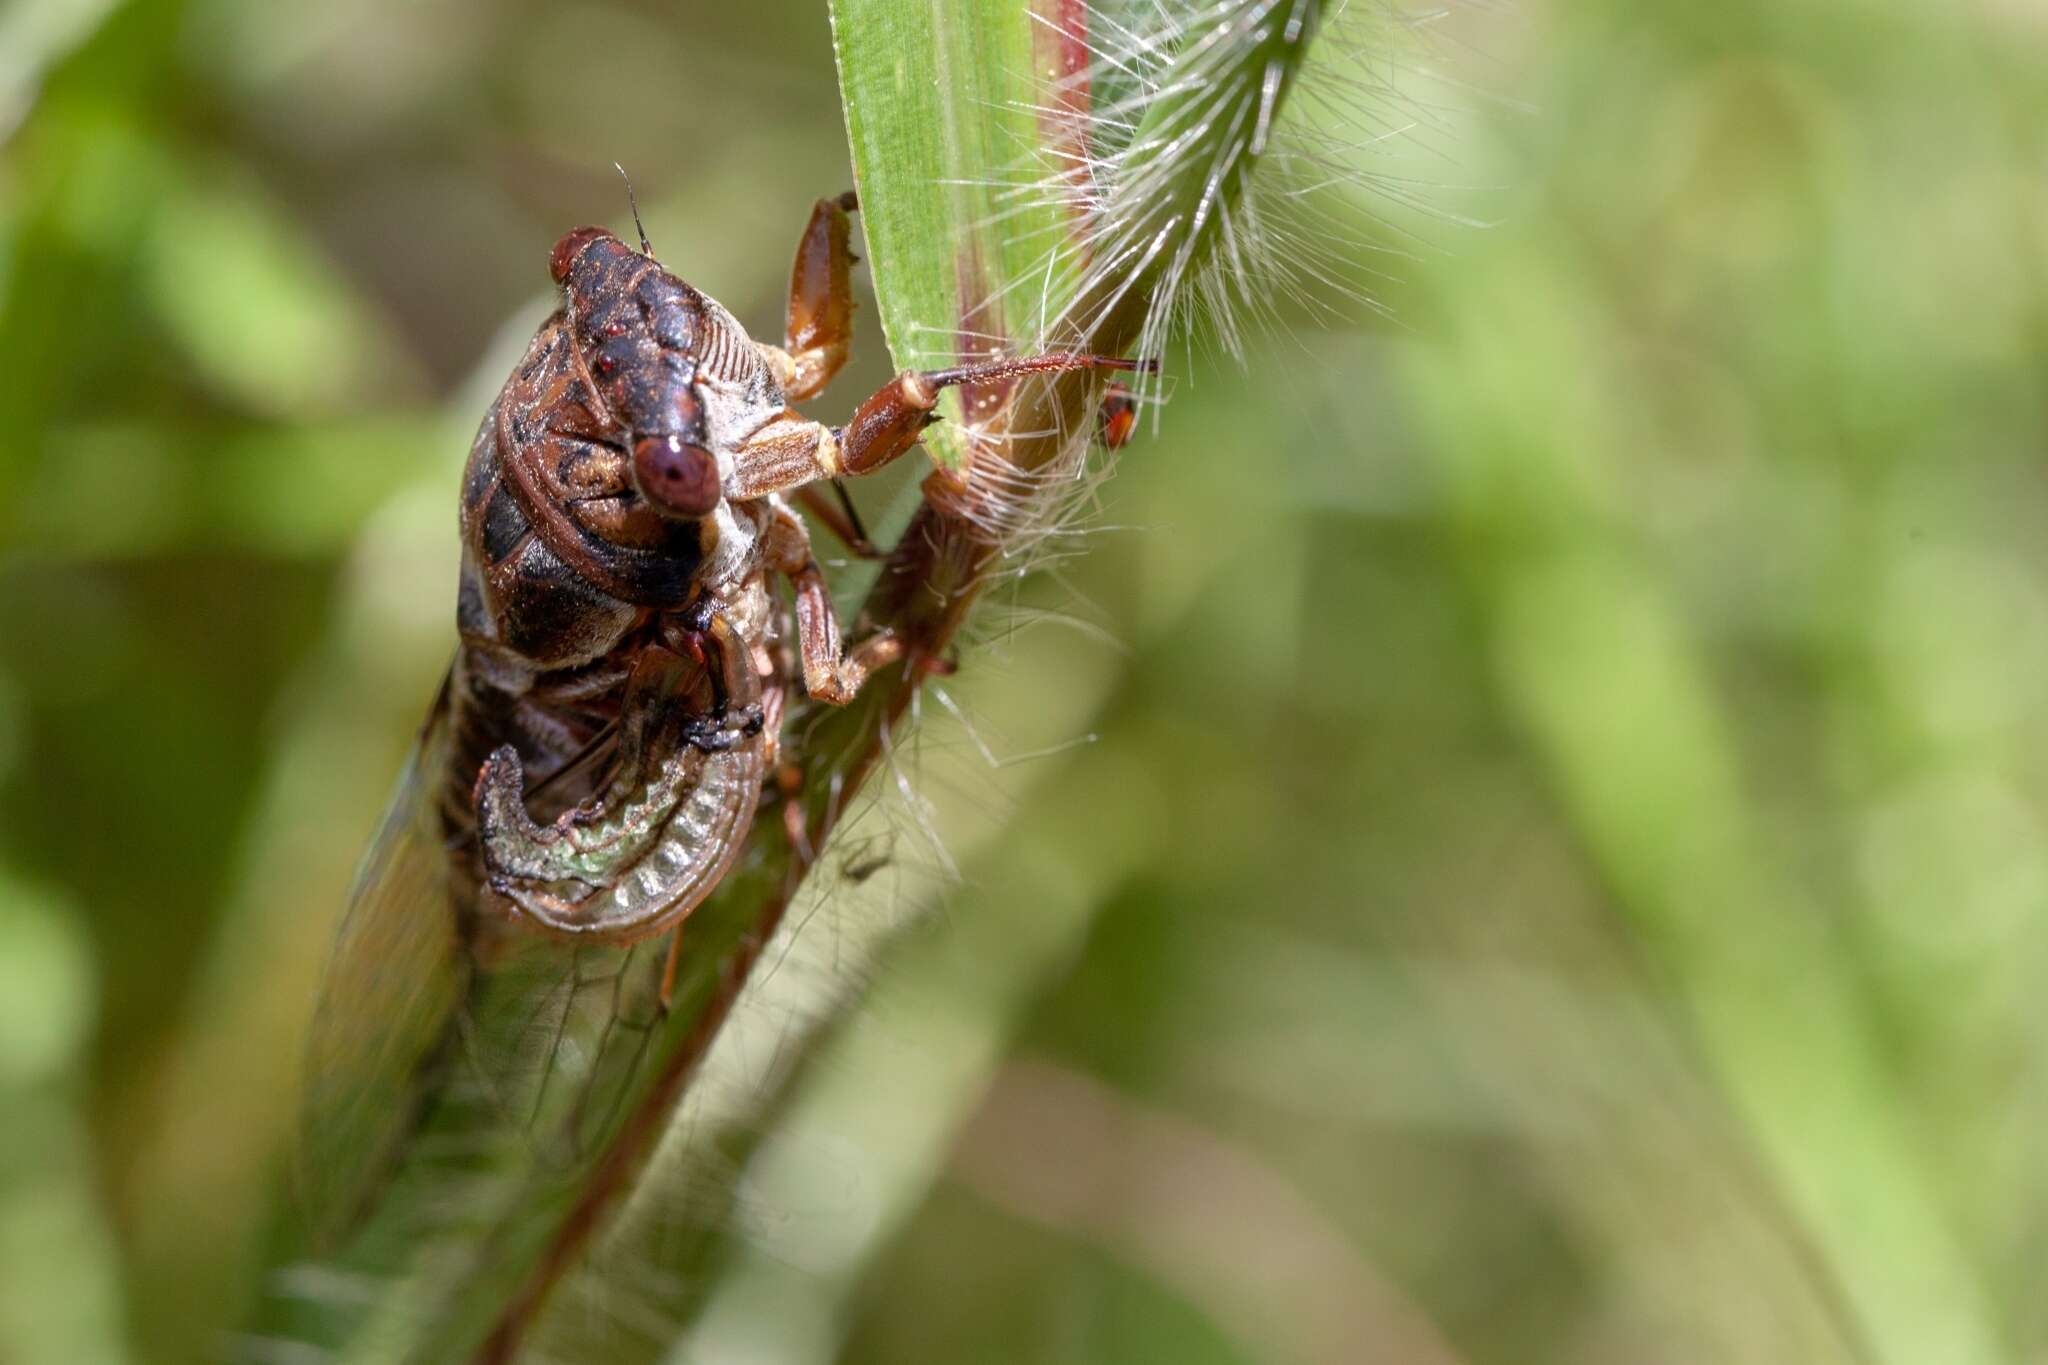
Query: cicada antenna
[634, 204]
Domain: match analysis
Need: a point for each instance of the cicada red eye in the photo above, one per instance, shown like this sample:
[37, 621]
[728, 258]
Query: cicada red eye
[679, 478]
[569, 248]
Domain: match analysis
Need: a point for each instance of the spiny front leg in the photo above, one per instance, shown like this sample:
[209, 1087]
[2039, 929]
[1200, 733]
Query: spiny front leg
[792, 450]
[830, 675]
[820, 320]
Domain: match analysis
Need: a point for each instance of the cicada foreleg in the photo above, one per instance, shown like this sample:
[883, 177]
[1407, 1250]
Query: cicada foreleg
[820, 319]
[816, 337]
[831, 673]
[791, 450]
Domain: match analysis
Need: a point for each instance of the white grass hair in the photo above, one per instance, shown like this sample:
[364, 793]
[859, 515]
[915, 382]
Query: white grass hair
[1227, 161]
[1186, 100]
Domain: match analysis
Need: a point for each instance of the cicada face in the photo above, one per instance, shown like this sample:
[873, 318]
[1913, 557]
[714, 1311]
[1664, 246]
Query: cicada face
[639, 332]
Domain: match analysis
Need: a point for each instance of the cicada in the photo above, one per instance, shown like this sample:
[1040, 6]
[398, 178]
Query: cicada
[599, 749]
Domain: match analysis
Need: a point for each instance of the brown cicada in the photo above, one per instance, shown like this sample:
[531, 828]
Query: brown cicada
[598, 750]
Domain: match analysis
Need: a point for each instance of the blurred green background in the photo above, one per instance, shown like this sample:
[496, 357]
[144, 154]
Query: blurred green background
[1558, 874]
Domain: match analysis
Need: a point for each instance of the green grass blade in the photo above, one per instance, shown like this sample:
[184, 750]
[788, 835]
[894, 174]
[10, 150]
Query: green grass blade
[1055, 175]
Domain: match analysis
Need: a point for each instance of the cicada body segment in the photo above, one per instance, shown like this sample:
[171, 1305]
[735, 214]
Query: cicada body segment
[438, 1031]
[686, 777]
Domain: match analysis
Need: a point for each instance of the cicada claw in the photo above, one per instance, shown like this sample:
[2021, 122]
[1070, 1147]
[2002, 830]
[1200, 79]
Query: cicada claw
[714, 734]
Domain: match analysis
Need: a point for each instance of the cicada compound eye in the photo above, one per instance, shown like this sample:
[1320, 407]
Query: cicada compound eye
[679, 478]
[569, 248]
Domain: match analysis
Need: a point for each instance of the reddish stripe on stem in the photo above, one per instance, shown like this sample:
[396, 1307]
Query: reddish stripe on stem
[1059, 50]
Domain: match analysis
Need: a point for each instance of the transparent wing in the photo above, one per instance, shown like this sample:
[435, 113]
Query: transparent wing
[453, 1051]
[548, 1040]
[393, 984]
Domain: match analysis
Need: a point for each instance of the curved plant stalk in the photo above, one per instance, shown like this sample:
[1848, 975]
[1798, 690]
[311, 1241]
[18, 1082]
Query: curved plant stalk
[1032, 175]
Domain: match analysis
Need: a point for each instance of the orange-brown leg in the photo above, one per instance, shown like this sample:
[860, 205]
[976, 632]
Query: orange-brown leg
[820, 325]
[838, 515]
[831, 673]
[792, 450]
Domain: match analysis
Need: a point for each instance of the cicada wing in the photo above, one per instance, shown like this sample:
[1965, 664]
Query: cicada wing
[387, 1003]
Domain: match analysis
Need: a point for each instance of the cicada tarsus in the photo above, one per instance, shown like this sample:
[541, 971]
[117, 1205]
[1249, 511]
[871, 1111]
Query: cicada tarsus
[599, 748]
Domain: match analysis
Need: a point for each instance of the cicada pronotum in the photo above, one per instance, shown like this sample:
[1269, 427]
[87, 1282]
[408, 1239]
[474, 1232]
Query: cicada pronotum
[599, 748]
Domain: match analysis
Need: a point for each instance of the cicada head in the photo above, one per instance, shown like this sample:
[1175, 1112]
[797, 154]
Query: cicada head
[638, 329]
